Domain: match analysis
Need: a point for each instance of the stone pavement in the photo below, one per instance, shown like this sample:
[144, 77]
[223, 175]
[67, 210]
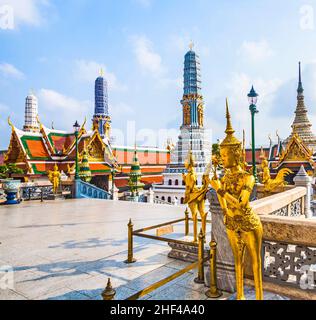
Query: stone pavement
[68, 249]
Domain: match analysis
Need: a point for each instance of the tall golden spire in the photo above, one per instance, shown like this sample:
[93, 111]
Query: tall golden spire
[229, 127]
[230, 139]
[101, 72]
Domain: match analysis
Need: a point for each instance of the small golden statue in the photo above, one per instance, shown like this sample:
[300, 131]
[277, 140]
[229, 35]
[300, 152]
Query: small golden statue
[244, 228]
[54, 178]
[195, 196]
[271, 184]
[71, 169]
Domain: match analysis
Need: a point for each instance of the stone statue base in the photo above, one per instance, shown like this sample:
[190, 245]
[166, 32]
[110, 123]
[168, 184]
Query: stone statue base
[185, 252]
[57, 196]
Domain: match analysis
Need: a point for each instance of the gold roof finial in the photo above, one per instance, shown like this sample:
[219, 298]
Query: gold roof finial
[262, 154]
[230, 139]
[10, 124]
[191, 45]
[101, 72]
[190, 163]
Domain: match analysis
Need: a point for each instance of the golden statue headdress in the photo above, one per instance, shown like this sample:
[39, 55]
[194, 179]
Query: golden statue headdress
[189, 162]
[262, 154]
[230, 140]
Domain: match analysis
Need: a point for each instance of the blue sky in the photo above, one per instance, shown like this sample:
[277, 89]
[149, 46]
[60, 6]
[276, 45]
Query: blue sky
[57, 47]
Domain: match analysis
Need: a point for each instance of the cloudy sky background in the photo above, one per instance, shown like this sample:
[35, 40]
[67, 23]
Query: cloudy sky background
[57, 47]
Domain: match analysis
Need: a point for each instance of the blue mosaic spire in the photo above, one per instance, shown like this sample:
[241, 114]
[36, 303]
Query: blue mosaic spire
[192, 73]
[101, 119]
[192, 102]
[101, 96]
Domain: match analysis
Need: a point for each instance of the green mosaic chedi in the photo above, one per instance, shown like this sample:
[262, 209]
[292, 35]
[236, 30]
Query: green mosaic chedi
[134, 177]
[84, 168]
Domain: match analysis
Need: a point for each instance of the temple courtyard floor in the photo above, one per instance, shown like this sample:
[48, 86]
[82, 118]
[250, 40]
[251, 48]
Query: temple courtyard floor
[66, 250]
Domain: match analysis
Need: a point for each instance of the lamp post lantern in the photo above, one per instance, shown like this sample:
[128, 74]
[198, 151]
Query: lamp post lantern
[253, 98]
[76, 129]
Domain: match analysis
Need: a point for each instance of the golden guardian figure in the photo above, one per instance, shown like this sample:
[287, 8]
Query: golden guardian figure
[244, 228]
[54, 178]
[195, 196]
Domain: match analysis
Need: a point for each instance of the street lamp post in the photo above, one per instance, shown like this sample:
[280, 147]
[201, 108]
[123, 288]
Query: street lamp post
[76, 129]
[253, 98]
[112, 174]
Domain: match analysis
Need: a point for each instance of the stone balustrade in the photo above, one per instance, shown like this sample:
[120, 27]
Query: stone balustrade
[289, 256]
[288, 203]
[87, 190]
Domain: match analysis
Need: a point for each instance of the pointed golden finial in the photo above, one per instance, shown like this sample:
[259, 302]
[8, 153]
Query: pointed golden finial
[229, 127]
[230, 139]
[191, 45]
[10, 123]
[189, 162]
[84, 122]
[101, 72]
[262, 154]
[38, 121]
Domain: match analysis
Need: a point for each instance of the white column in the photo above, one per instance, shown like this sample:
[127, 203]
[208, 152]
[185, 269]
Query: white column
[302, 179]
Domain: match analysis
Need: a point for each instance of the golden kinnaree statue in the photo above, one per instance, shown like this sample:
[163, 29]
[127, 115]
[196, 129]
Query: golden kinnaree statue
[269, 183]
[195, 196]
[54, 178]
[244, 228]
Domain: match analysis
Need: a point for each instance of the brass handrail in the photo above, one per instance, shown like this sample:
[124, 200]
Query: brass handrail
[159, 225]
[148, 236]
[162, 282]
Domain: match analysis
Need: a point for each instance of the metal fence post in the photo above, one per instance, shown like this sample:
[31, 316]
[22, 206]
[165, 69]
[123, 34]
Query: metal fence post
[213, 292]
[187, 226]
[42, 195]
[130, 258]
[200, 277]
[109, 292]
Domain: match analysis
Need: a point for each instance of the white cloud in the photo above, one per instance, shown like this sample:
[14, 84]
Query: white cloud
[120, 109]
[10, 71]
[237, 90]
[149, 60]
[27, 11]
[255, 51]
[62, 109]
[88, 71]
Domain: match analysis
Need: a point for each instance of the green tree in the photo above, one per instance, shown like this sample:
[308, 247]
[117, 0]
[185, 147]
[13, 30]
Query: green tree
[7, 170]
[215, 149]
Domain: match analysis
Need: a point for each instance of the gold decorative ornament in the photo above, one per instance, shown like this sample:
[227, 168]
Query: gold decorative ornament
[54, 178]
[201, 115]
[186, 115]
[195, 196]
[269, 183]
[244, 228]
